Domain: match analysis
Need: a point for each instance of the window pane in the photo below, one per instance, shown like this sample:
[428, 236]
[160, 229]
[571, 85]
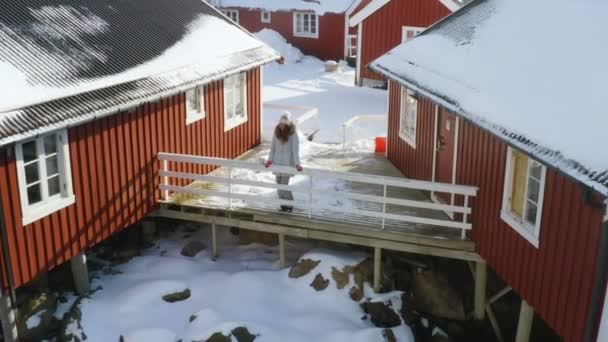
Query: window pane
[52, 165]
[299, 23]
[54, 187]
[50, 144]
[33, 194]
[533, 190]
[306, 23]
[32, 174]
[191, 100]
[535, 170]
[518, 186]
[531, 213]
[30, 152]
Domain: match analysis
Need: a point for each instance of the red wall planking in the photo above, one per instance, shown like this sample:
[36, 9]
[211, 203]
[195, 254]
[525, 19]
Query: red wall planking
[329, 44]
[382, 30]
[114, 174]
[557, 278]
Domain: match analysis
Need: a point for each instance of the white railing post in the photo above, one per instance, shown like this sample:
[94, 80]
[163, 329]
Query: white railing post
[463, 232]
[166, 180]
[310, 197]
[384, 207]
[230, 188]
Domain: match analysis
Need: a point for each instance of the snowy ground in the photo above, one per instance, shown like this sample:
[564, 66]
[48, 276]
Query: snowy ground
[302, 81]
[243, 287]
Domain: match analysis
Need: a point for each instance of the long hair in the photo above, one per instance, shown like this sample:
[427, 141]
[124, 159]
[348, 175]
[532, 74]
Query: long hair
[284, 131]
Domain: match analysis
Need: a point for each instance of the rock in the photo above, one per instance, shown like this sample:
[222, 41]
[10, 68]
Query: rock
[242, 334]
[177, 296]
[388, 335]
[433, 294]
[355, 294]
[341, 278]
[319, 283]
[218, 337]
[71, 330]
[192, 248]
[38, 309]
[364, 272]
[192, 318]
[381, 314]
[303, 267]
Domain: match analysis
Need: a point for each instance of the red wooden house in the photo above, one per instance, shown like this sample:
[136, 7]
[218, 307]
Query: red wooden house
[92, 91]
[383, 24]
[318, 28]
[477, 100]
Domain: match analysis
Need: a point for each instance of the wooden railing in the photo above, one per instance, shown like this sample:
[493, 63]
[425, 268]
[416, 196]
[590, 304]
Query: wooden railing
[312, 199]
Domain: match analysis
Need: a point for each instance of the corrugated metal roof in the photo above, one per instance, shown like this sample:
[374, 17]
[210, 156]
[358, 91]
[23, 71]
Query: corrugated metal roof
[87, 56]
[461, 27]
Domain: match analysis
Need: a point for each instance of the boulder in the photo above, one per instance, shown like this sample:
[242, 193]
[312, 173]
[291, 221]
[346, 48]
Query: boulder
[177, 296]
[341, 278]
[381, 315]
[36, 316]
[303, 267]
[389, 335]
[71, 330]
[355, 293]
[192, 248]
[433, 294]
[218, 337]
[364, 272]
[319, 283]
[242, 334]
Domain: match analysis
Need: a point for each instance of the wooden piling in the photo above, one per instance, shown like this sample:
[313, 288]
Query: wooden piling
[481, 276]
[524, 326]
[282, 261]
[377, 268]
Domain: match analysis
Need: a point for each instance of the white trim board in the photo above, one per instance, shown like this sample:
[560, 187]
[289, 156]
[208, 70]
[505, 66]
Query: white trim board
[367, 11]
[452, 5]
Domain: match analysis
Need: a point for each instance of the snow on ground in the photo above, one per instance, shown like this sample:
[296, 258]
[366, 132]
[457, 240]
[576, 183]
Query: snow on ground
[302, 81]
[243, 287]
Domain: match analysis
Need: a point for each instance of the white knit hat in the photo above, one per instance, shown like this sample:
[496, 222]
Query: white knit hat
[285, 118]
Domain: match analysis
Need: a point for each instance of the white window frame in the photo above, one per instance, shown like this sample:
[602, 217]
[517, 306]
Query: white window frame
[520, 225]
[236, 120]
[406, 29]
[403, 110]
[265, 19]
[305, 34]
[196, 112]
[49, 204]
[232, 15]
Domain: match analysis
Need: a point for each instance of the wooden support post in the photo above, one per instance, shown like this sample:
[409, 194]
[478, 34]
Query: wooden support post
[8, 319]
[282, 261]
[481, 276]
[80, 273]
[524, 326]
[214, 240]
[377, 268]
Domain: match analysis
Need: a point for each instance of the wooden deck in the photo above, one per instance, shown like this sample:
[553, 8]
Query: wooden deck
[352, 218]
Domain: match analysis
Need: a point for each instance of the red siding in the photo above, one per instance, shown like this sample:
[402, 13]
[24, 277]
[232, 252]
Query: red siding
[382, 30]
[555, 279]
[329, 45]
[114, 174]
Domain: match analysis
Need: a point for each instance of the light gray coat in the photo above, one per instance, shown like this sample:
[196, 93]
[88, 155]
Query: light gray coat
[286, 154]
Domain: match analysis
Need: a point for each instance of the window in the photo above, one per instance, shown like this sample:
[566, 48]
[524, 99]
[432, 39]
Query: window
[232, 14]
[235, 101]
[306, 25]
[409, 32]
[265, 16]
[408, 116]
[195, 104]
[523, 195]
[43, 170]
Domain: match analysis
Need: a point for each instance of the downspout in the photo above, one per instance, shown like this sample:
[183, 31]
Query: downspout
[7, 257]
[599, 288]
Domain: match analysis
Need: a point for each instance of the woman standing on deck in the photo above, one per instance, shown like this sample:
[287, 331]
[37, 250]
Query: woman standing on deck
[285, 151]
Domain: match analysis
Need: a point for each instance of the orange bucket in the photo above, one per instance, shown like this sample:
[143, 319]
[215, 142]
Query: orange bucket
[380, 144]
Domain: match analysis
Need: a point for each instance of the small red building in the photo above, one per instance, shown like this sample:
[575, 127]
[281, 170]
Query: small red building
[383, 24]
[85, 111]
[318, 28]
[477, 100]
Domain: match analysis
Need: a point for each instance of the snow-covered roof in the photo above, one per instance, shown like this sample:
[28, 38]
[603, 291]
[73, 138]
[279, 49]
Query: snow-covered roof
[65, 61]
[531, 72]
[320, 7]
